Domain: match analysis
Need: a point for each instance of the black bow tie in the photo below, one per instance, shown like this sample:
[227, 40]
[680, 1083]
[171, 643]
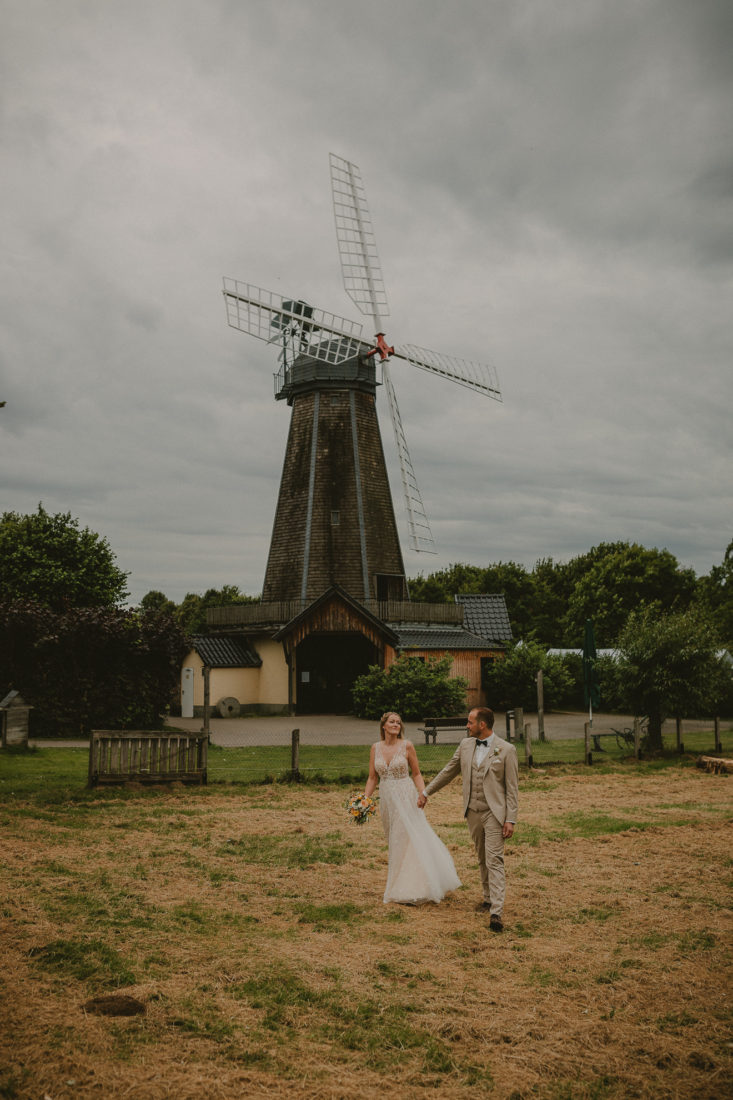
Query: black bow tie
[484, 743]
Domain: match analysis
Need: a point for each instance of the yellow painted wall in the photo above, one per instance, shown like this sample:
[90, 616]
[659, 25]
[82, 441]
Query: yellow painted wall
[238, 683]
[273, 674]
[252, 687]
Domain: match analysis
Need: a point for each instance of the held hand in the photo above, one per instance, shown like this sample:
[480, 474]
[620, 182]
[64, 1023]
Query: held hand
[421, 801]
[508, 830]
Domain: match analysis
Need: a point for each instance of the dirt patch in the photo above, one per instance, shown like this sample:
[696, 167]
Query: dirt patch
[250, 925]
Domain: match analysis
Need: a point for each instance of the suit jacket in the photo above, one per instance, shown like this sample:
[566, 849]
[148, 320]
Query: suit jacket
[501, 777]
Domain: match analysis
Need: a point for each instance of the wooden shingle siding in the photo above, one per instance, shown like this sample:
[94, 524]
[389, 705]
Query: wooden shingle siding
[345, 532]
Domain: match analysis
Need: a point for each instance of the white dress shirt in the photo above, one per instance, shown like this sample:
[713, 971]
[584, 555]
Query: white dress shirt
[482, 751]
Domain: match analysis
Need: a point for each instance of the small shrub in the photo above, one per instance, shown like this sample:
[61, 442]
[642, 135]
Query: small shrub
[412, 687]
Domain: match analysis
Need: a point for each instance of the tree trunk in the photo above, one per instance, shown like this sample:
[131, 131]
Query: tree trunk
[654, 736]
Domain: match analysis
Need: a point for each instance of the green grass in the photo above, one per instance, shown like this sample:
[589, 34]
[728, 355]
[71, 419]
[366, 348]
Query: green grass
[288, 851]
[52, 776]
[88, 959]
[258, 947]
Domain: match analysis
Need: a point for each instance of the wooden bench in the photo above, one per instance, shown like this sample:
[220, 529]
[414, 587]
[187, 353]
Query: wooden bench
[147, 756]
[431, 726]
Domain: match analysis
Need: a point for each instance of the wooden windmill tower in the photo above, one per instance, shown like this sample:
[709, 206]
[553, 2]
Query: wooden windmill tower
[335, 522]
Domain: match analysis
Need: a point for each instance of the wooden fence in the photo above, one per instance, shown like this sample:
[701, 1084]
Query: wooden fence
[144, 756]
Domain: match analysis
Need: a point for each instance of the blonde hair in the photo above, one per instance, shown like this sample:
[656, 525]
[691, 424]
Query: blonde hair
[383, 719]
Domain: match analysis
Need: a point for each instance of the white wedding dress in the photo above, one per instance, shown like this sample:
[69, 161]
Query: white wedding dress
[420, 865]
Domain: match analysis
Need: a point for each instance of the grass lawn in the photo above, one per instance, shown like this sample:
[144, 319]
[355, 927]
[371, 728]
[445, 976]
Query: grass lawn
[343, 763]
[247, 919]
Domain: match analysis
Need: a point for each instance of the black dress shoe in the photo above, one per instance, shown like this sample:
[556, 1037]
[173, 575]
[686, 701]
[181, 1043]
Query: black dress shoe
[483, 907]
[496, 924]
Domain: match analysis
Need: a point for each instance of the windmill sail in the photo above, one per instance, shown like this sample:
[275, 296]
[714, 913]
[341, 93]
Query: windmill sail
[360, 266]
[301, 328]
[476, 376]
[363, 282]
[421, 537]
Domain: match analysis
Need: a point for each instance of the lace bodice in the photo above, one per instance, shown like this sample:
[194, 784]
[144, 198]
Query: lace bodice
[397, 766]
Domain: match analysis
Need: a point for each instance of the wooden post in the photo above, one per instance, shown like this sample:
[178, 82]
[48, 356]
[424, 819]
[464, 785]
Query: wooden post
[518, 723]
[637, 738]
[528, 745]
[206, 728]
[92, 758]
[680, 746]
[718, 742]
[295, 753]
[588, 753]
[540, 706]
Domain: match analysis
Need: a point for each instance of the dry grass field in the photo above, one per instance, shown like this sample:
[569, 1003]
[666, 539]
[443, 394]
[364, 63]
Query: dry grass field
[249, 923]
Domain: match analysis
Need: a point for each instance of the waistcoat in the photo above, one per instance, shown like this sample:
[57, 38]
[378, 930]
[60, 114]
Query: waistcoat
[477, 801]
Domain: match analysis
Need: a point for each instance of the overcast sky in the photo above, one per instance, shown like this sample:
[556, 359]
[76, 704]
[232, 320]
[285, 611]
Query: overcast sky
[551, 185]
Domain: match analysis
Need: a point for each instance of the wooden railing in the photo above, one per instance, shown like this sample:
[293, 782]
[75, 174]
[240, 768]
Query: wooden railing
[145, 756]
[282, 611]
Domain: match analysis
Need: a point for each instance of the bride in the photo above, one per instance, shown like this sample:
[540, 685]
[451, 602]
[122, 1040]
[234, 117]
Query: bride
[420, 865]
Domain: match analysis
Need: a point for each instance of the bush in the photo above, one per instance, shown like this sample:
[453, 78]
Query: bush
[412, 687]
[89, 667]
[512, 681]
[610, 684]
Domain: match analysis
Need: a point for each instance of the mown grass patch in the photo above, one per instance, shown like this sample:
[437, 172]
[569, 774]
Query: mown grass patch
[288, 850]
[87, 960]
[262, 973]
[328, 918]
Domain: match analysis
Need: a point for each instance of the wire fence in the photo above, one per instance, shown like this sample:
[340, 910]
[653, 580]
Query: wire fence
[307, 757]
[336, 749]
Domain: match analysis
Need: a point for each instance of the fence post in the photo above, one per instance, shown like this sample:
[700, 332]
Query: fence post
[206, 728]
[588, 753]
[540, 706]
[518, 723]
[528, 745]
[718, 743]
[295, 753]
[680, 746]
[637, 738]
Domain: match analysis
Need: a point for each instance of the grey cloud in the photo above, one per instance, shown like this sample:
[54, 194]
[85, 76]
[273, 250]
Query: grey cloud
[551, 191]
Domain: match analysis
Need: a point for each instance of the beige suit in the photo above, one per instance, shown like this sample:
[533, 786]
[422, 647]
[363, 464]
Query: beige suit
[490, 798]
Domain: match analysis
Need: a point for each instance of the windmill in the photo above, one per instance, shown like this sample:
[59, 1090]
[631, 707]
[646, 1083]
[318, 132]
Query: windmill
[334, 521]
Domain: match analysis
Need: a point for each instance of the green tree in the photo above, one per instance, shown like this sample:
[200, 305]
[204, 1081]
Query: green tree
[716, 594]
[615, 579]
[191, 612]
[50, 560]
[504, 578]
[442, 586]
[549, 599]
[512, 681]
[670, 668]
[613, 696]
[90, 667]
[412, 687]
[157, 602]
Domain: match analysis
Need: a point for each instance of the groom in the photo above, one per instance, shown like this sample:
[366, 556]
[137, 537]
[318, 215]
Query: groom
[489, 772]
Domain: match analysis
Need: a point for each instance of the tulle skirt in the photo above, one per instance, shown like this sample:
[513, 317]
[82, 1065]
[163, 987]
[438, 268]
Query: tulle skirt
[420, 866]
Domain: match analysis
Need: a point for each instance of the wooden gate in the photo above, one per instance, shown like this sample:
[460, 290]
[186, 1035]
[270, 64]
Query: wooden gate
[160, 756]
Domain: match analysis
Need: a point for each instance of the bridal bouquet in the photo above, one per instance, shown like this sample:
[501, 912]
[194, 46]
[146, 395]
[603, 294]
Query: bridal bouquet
[361, 808]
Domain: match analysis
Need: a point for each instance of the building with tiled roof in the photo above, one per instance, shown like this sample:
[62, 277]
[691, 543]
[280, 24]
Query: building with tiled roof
[486, 615]
[222, 651]
[303, 656]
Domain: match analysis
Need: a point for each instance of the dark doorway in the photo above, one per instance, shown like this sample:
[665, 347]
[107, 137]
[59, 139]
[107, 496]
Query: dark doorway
[326, 667]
